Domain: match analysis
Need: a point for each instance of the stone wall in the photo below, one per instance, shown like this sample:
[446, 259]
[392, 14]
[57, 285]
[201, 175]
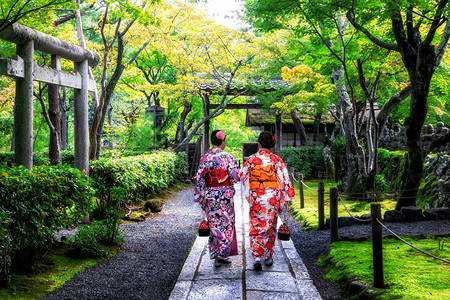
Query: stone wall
[395, 139]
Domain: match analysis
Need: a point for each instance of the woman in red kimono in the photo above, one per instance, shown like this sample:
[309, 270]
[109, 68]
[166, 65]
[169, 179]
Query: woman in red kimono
[214, 190]
[267, 187]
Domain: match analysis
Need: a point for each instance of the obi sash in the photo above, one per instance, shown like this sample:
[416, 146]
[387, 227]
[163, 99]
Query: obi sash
[216, 177]
[263, 177]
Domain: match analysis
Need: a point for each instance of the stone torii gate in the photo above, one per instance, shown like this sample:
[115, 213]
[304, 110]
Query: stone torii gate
[25, 70]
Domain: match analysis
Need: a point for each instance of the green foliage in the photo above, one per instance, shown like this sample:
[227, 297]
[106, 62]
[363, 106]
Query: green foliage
[6, 242]
[50, 273]
[305, 160]
[131, 179]
[35, 203]
[87, 242]
[381, 184]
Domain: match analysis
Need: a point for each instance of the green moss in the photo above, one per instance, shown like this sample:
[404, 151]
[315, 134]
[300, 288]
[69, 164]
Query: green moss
[408, 273]
[50, 273]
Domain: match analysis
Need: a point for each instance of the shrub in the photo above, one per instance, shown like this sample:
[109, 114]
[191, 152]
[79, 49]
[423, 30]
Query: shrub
[87, 241]
[381, 184]
[131, 179]
[306, 160]
[35, 203]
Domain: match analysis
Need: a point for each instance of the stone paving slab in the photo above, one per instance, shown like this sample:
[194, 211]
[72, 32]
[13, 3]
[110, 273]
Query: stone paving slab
[287, 279]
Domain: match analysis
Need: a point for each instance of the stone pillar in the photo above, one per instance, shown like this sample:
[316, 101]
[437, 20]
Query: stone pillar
[81, 141]
[23, 111]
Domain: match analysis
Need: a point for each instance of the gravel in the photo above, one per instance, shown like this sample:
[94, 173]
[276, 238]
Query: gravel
[153, 255]
[149, 262]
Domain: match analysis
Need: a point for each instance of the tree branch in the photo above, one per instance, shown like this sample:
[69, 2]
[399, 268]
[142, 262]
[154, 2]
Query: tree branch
[440, 50]
[374, 39]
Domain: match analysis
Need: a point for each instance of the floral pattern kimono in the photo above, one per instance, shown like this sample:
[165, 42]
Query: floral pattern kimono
[267, 186]
[217, 201]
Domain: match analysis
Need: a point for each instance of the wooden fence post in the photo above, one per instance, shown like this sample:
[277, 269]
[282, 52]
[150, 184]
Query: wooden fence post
[321, 204]
[377, 245]
[302, 195]
[334, 214]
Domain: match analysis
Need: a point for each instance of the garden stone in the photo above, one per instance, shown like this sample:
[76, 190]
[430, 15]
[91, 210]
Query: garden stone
[412, 213]
[440, 213]
[394, 216]
[342, 222]
[355, 237]
[357, 286]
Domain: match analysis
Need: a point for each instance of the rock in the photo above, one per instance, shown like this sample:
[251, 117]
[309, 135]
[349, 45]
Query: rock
[412, 213]
[440, 213]
[342, 222]
[394, 216]
[355, 237]
[357, 286]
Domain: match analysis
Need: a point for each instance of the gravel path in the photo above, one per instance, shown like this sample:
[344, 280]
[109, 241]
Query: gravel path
[148, 264]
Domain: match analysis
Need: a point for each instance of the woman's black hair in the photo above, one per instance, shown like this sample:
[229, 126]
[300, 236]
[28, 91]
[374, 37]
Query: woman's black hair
[215, 140]
[266, 140]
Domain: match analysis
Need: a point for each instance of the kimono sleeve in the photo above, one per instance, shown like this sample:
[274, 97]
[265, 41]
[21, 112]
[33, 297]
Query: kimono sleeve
[286, 187]
[244, 176]
[233, 169]
[200, 184]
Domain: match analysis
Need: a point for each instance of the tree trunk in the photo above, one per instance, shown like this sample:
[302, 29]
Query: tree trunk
[54, 149]
[414, 124]
[299, 127]
[278, 134]
[187, 107]
[317, 126]
[354, 153]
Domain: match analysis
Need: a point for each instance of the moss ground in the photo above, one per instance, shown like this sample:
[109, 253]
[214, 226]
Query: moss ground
[50, 272]
[408, 274]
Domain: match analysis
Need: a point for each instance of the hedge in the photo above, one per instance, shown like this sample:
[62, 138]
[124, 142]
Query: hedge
[307, 160]
[35, 203]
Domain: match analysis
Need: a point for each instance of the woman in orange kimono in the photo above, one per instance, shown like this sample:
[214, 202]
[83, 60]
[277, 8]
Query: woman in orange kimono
[214, 190]
[267, 187]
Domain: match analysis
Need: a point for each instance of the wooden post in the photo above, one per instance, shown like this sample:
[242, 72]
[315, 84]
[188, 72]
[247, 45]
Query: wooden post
[81, 143]
[334, 214]
[377, 245]
[23, 110]
[321, 204]
[302, 195]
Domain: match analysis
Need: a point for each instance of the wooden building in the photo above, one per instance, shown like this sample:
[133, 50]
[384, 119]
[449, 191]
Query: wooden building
[261, 120]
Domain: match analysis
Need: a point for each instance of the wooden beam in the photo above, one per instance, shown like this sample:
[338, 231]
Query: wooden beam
[238, 106]
[15, 68]
[20, 34]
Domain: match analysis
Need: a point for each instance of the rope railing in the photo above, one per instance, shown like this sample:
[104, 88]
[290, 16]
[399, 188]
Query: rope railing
[384, 192]
[355, 218]
[409, 244]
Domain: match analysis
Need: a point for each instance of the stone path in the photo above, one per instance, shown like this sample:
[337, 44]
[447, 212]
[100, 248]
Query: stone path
[288, 278]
